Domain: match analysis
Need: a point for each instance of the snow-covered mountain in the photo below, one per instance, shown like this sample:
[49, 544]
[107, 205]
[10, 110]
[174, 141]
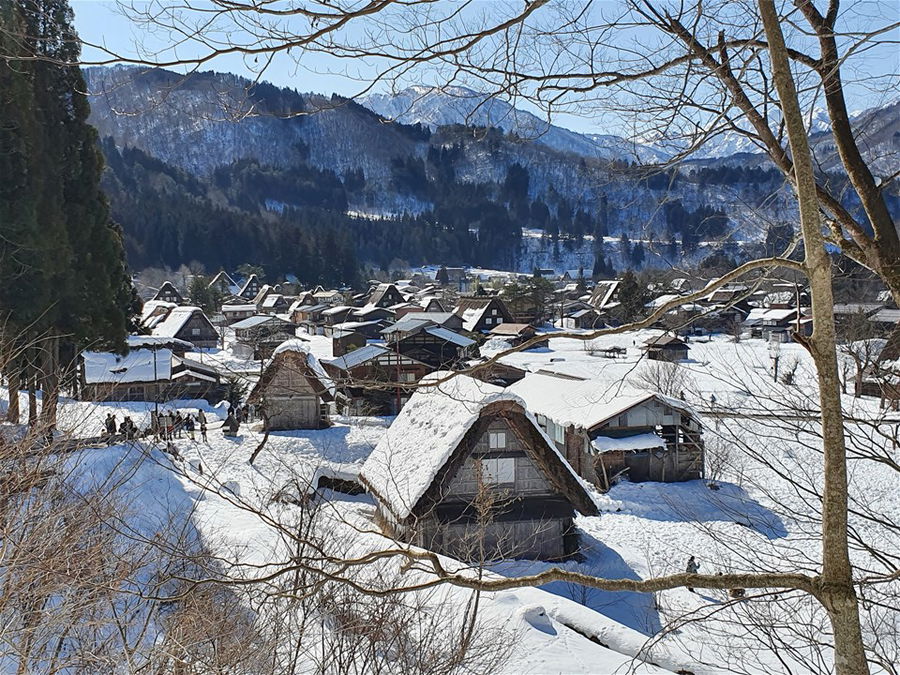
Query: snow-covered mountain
[435, 107]
[260, 149]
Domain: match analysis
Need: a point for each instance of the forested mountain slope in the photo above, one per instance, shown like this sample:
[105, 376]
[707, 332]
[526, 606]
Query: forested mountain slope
[212, 168]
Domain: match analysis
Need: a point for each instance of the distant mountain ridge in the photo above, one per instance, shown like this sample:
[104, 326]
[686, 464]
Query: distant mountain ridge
[437, 107]
[265, 151]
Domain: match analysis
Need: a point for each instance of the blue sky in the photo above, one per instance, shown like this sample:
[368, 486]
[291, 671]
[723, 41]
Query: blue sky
[99, 22]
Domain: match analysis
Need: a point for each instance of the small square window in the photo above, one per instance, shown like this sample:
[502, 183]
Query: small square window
[195, 331]
[497, 440]
[493, 312]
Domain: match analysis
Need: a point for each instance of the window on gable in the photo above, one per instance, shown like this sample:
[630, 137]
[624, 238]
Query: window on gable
[559, 433]
[497, 440]
[499, 470]
[195, 331]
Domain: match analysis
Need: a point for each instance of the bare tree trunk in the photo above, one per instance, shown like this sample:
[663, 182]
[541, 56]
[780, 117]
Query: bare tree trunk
[49, 382]
[885, 259]
[13, 384]
[835, 589]
[31, 376]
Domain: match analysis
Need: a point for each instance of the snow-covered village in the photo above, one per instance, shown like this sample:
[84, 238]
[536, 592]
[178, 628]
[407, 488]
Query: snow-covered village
[439, 337]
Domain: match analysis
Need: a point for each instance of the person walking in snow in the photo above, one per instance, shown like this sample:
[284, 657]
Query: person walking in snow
[692, 568]
[203, 427]
[201, 417]
[165, 423]
[189, 426]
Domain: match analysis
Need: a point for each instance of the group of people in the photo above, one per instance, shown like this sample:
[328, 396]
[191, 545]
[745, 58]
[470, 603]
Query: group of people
[127, 429]
[169, 426]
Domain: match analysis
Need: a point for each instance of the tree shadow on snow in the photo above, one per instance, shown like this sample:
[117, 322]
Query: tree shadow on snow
[635, 610]
[695, 501]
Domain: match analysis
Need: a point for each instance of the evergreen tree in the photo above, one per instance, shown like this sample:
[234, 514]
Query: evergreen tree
[442, 277]
[624, 247]
[633, 296]
[637, 254]
[75, 278]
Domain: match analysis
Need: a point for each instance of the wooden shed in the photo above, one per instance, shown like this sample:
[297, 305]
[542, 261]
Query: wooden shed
[666, 348]
[465, 471]
[294, 391]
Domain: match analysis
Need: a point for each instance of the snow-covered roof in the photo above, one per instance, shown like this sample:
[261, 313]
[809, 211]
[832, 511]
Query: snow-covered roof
[448, 335]
[471, 316]
[152, 341]
[337, 309]
[251, 280]
[136, 366]
[636, 442]
[159, 308]
[584, 404]
[257, 320]
[370, 309]
[272, 299]
[223, 278]
[656, 303]
[407, 324]
[175, 321]
[426, 432]
[238, 307]
[603, 293]
[758, 315]
[312, 309]
[511, 329]
[357, 357]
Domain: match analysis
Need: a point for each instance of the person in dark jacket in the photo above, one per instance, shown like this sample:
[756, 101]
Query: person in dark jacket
[110, 424]
[231, 425]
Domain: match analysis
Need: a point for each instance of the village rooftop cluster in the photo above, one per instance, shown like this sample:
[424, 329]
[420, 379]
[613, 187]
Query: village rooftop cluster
[418, 352]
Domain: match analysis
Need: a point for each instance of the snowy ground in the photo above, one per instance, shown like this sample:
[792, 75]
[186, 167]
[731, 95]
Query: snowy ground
[750, 521]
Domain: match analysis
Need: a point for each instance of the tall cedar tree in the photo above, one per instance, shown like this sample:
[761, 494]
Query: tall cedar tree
[69, 270]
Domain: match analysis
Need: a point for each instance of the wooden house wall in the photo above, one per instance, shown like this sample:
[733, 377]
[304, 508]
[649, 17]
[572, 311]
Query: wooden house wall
[199, 332]
[182, 388]
[530, 519]
[364, 401]
[431, 350]
[667, 353]
[291, 401]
